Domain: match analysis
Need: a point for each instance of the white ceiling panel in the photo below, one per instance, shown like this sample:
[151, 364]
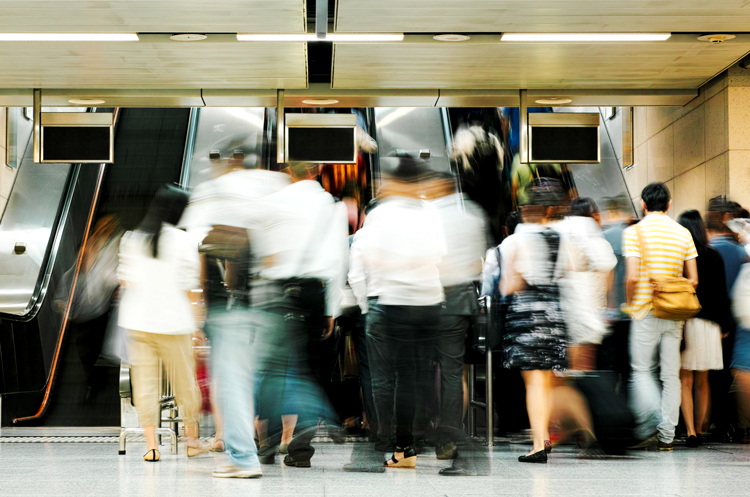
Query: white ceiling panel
[168, 65]
[682, 62]
[476, 16]
[156, 16]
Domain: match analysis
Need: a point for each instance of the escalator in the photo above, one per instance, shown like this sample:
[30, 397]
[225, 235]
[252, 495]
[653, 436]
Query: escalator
[50, 211]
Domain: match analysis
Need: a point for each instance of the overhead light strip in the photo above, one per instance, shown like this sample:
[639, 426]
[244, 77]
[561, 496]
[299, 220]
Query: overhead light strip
[68, 37]
[312, 37]
[590, 37]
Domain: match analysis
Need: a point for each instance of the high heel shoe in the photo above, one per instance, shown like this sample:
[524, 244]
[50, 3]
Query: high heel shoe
[538, 457]
[152, 456]
[409, 461]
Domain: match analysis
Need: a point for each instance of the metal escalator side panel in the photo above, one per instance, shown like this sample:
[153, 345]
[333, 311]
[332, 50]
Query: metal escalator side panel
[55, 359]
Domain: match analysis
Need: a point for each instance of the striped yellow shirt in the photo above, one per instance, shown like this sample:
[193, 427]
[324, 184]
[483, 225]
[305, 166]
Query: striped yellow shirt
[669, 245]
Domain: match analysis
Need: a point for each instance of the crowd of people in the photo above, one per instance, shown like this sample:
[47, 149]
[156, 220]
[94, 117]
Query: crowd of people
[262, 264]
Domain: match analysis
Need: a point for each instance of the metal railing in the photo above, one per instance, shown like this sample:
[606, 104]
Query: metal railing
[474, 404]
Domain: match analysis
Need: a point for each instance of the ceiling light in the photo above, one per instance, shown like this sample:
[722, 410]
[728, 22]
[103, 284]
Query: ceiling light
[553, 101]
[587, 37]
[320, 101]
[716, 39]
[68, 37]
[451, 37]
[85, 101]
[312, 37]
[188, 37]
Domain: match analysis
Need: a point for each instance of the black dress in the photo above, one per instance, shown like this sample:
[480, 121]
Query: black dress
[535, 334]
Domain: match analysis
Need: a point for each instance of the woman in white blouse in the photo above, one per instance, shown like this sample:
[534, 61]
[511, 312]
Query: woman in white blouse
[159, 265]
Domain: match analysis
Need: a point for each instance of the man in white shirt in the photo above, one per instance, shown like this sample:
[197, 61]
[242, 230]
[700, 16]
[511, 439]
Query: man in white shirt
[464, 226]
[303, 248]
[401, 250]
[217, 217]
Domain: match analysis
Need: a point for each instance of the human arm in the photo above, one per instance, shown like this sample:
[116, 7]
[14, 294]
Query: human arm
[632, 270]
[357, 275]
[691, 272]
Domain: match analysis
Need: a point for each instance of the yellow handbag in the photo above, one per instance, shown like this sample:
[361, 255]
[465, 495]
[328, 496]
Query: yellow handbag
[674, 297]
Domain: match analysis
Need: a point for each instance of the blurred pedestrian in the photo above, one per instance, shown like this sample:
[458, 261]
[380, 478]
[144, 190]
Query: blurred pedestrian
[703, 333]
[655, 246]
[159, 266]
[535, 336]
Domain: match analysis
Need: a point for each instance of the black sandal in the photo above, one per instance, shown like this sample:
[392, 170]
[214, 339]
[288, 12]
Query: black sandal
[409, 461]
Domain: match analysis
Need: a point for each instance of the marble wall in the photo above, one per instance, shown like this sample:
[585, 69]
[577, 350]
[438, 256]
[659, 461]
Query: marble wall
[701, 150]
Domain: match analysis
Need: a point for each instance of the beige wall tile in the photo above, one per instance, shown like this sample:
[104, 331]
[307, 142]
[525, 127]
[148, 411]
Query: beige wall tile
[690, 190]
[689, 141]
[716, 176]
[738, 77]
[716, 85]
[658, 118]
[738, 112]
[690, 106]
[670, 186]
[637, 205]
[739, 176]
[640, 125]
[661, 156]
[717, 137]
[3, 203]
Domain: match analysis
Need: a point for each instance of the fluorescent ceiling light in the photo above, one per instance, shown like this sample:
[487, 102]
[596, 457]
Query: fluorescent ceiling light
[320, 101]
[68, 37]
[86, 101]
[585, 36]
[311, 37]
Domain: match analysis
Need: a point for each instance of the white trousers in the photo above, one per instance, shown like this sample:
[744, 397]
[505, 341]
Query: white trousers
[655, 345]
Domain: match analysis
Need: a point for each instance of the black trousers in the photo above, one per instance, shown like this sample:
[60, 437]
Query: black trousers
[400, 343]
[89, 337]
[291, 371]
[450, 350]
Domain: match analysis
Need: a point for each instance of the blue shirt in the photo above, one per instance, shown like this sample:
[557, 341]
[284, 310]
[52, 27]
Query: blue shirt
[733, 254]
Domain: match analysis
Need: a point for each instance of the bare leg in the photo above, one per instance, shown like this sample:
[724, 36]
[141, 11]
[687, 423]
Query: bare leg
[701, 397]
[289, 421]
[466, 389]
[686, 377]
[538, 386]
[261, 428]
[218, 420]
[742, 396]
[569, 407]
[149, 432]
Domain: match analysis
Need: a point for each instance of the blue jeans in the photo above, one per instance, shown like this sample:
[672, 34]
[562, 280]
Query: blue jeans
[232, 333]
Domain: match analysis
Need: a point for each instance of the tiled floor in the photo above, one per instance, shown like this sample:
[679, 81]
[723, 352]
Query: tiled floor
[96, 469]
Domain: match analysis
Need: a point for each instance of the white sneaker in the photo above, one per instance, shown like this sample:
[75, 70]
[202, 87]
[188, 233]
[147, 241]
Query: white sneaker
[235, 472]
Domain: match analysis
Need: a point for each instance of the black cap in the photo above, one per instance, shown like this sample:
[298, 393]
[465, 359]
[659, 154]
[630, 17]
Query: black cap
[409, 169]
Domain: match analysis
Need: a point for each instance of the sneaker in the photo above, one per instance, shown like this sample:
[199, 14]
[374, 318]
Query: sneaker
[664, 447]
[235, 472]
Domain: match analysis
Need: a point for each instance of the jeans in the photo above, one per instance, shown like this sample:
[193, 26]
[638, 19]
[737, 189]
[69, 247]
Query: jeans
[400, 343]
[365, 378]
[288, 368]
[655, 344]
[232, 359]
[451, 347]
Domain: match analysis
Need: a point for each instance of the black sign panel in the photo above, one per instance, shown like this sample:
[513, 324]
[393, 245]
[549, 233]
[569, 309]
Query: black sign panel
[76, 144]
[321, 145]
[564, 144]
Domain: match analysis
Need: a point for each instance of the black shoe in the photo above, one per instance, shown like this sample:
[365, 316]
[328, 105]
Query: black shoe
[446, 452]
[290, 461]
[267, 455]
[409, 460]
[539, 457]
[453, 471]
[692, 442]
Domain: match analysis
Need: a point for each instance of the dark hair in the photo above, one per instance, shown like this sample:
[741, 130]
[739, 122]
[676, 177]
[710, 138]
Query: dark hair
[408, 168]
[718, 207]
[547, 192]
[694, 223]
[656, 197]
[167, 207]
[583, 207]
[351, 189]
[512, 220]
[370, 206]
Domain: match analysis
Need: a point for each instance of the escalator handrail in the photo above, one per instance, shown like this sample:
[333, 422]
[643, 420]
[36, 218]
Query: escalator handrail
[58, 347]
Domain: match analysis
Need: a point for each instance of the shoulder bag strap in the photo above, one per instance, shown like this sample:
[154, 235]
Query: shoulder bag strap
[644, 250]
